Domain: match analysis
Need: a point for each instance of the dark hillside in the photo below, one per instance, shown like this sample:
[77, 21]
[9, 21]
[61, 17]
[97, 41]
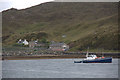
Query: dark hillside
[84, 24]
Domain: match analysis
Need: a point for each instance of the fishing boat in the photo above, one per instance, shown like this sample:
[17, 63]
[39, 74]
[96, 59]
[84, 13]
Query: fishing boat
[94, 59]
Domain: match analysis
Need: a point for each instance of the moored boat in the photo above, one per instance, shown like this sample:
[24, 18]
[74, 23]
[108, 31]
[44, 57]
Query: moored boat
[95, 59]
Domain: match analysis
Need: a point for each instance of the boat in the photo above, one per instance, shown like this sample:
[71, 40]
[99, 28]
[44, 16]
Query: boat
[98, 60]
[94, 59]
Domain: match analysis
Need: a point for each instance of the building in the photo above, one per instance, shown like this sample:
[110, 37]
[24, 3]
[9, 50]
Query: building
[41, 45]
[59, 46]
[20, 41]
[32, 44]
[25, 42]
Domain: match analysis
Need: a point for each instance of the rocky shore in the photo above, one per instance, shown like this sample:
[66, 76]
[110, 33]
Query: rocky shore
[57, 56]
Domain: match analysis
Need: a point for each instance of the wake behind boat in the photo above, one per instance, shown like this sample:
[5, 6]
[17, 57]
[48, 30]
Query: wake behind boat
[95, 59]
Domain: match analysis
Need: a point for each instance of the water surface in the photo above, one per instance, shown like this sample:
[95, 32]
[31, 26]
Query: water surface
[58, 68]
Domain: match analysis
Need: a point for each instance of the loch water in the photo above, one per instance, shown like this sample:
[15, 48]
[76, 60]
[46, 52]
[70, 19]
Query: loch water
[58, 68]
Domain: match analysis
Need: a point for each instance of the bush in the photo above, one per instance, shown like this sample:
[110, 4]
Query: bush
[18, 44]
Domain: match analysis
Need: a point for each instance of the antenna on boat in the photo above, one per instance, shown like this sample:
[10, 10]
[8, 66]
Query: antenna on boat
[87, 52]
[102, 53]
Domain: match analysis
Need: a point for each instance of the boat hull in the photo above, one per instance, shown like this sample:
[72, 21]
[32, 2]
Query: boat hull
[99, 60]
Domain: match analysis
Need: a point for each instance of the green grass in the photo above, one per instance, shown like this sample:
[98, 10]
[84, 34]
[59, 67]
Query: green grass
[80, 22]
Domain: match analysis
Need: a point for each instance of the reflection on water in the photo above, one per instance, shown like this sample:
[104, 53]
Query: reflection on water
[58, 68]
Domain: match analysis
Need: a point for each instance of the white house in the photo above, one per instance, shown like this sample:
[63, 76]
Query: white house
[25, 42]
[20, 41]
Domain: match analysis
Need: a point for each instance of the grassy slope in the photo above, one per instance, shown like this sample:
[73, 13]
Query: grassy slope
[84, 24]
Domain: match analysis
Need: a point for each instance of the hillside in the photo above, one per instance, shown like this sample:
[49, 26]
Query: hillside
[83, 24]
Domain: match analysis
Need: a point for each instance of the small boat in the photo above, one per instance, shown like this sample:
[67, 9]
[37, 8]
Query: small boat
[95, 59]
[98, 60]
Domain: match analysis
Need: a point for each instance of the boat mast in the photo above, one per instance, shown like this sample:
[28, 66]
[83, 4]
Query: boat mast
[102, 53]
[87, 52]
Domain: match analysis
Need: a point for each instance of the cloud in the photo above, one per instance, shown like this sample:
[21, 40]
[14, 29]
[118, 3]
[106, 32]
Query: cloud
[5, 5]
[86, 0]
[19, 4]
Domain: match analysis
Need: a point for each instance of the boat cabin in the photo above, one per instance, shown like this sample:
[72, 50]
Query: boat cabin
[91, 57]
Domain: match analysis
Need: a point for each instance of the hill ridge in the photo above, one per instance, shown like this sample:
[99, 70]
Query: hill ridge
[78, 21]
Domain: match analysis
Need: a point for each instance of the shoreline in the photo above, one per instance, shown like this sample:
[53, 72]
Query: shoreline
[46, 57]
[38, 57]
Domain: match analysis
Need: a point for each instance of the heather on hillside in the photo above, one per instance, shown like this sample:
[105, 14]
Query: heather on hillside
[78, 24]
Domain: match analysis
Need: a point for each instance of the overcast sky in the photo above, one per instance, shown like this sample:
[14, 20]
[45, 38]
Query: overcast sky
[19, 4]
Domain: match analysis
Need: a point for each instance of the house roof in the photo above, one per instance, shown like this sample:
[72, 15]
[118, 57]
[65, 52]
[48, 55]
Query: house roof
[57, 44]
